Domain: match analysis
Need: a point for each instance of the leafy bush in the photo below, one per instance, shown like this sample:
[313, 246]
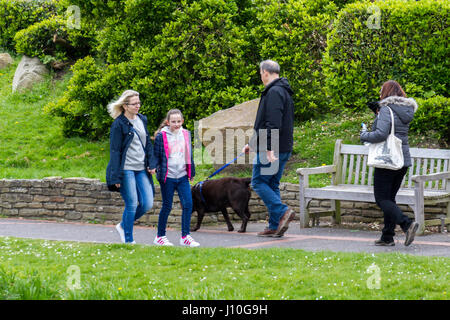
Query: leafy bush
[294, 34]
[433, 114]
[52, 40]
[19, 14]
[140, 22]
[96, 12]
[410, 46]
[197, 64]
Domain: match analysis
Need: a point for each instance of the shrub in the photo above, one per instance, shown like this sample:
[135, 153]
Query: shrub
[196, 64]
[16, 15]
[294, 34]
[140, 22]
[96, 12]
[411, 46]
[433, 114]
[51, 40]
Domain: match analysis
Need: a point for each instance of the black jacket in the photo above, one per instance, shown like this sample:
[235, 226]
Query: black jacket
[275, 111]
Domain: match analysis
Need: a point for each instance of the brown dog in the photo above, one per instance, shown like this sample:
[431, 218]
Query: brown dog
[218, 195]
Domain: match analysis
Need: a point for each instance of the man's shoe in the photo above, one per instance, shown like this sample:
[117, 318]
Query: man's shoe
[410, 233]
[287, 217]
[382, 243]
[267, 233]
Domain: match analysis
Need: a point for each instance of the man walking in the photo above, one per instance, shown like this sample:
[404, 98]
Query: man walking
[272, 141]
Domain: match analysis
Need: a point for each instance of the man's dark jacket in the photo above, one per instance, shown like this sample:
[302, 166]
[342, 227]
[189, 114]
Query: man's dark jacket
[275, 111]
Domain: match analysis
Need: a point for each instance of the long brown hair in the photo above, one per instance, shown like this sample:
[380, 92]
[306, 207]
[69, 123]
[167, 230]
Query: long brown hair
[165, 122]
[391, 88]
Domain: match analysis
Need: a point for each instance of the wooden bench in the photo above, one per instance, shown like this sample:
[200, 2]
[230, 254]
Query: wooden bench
[425, 183]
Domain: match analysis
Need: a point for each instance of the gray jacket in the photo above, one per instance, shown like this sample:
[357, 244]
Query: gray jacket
[403, 109]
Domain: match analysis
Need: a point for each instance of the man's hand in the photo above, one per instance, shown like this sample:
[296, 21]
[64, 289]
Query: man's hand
[246, 149]
[271, 156]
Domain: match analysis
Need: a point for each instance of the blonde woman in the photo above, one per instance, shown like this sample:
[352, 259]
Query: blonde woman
[130, 154]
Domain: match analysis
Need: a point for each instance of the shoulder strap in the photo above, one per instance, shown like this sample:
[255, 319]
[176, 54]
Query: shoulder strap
[142, 144]
[392, 121]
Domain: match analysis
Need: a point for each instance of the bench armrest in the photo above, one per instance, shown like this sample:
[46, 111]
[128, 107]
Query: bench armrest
[316, 170]
[430, 177]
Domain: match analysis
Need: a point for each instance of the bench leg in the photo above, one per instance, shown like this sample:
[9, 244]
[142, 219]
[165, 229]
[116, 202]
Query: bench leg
[419, 208]
[336, 207]
[304, 212]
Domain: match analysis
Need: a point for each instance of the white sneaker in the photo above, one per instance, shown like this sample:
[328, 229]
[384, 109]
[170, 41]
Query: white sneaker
[162, 241]
[121, 232]
[188, 241]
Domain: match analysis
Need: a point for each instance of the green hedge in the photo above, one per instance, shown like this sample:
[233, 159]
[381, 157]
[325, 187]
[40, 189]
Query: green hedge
[16, 15]
[197, 64]
[411, 46]
[140, 22]
[294, 33]
[433, 114]
[38, 40]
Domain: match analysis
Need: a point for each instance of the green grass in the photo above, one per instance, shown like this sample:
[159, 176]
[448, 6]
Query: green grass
[39, 269]
[33, 145]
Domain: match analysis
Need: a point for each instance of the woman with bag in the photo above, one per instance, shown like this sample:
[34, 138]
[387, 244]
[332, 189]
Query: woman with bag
[393, 105]
[130, 154]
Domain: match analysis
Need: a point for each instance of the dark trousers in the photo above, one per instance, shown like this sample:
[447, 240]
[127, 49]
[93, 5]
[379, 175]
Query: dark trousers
[386, 184]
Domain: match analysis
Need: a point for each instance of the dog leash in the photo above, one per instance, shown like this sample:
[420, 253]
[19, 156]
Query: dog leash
[226, 165]
[200, 184]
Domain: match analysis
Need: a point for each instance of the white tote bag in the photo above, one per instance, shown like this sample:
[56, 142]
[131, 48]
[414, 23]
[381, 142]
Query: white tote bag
[387, 154]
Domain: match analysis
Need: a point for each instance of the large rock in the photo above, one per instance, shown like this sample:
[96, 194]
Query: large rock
[5, 60]
[225, 133]
[29, 71]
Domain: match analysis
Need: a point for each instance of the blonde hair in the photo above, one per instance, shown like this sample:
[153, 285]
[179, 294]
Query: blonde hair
[166, 120]
[115, 108]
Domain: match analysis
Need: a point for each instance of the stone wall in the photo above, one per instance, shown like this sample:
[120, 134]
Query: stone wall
[88, 200]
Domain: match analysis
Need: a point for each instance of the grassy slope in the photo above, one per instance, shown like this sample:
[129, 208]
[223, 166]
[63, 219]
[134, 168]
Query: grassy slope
[32, 142]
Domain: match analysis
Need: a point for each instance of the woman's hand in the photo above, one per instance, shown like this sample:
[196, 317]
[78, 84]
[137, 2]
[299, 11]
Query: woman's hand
[151, 171]
[117, 185]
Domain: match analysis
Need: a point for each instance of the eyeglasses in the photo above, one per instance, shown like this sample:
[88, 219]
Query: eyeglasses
[134, 104]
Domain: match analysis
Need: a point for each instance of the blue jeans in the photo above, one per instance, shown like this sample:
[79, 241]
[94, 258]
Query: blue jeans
[137, 193]
[183, 187]
[266, 181]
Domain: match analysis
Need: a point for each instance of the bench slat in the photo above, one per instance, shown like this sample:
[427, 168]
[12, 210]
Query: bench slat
[350, 169]
[415, 152]
[344, 168]
[370, 182]
[429, 153]
[444, 182]
[364, 170]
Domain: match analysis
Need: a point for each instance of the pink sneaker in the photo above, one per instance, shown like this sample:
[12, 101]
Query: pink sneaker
[188, 241]
[162, 241]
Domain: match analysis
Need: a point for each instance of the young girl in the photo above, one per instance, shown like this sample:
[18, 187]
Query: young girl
[128, 168]
[173, 163]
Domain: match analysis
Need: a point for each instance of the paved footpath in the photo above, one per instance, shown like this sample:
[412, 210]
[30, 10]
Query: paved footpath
[311, 239]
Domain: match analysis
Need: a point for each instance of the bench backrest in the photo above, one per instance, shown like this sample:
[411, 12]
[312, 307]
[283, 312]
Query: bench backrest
[351, 161]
